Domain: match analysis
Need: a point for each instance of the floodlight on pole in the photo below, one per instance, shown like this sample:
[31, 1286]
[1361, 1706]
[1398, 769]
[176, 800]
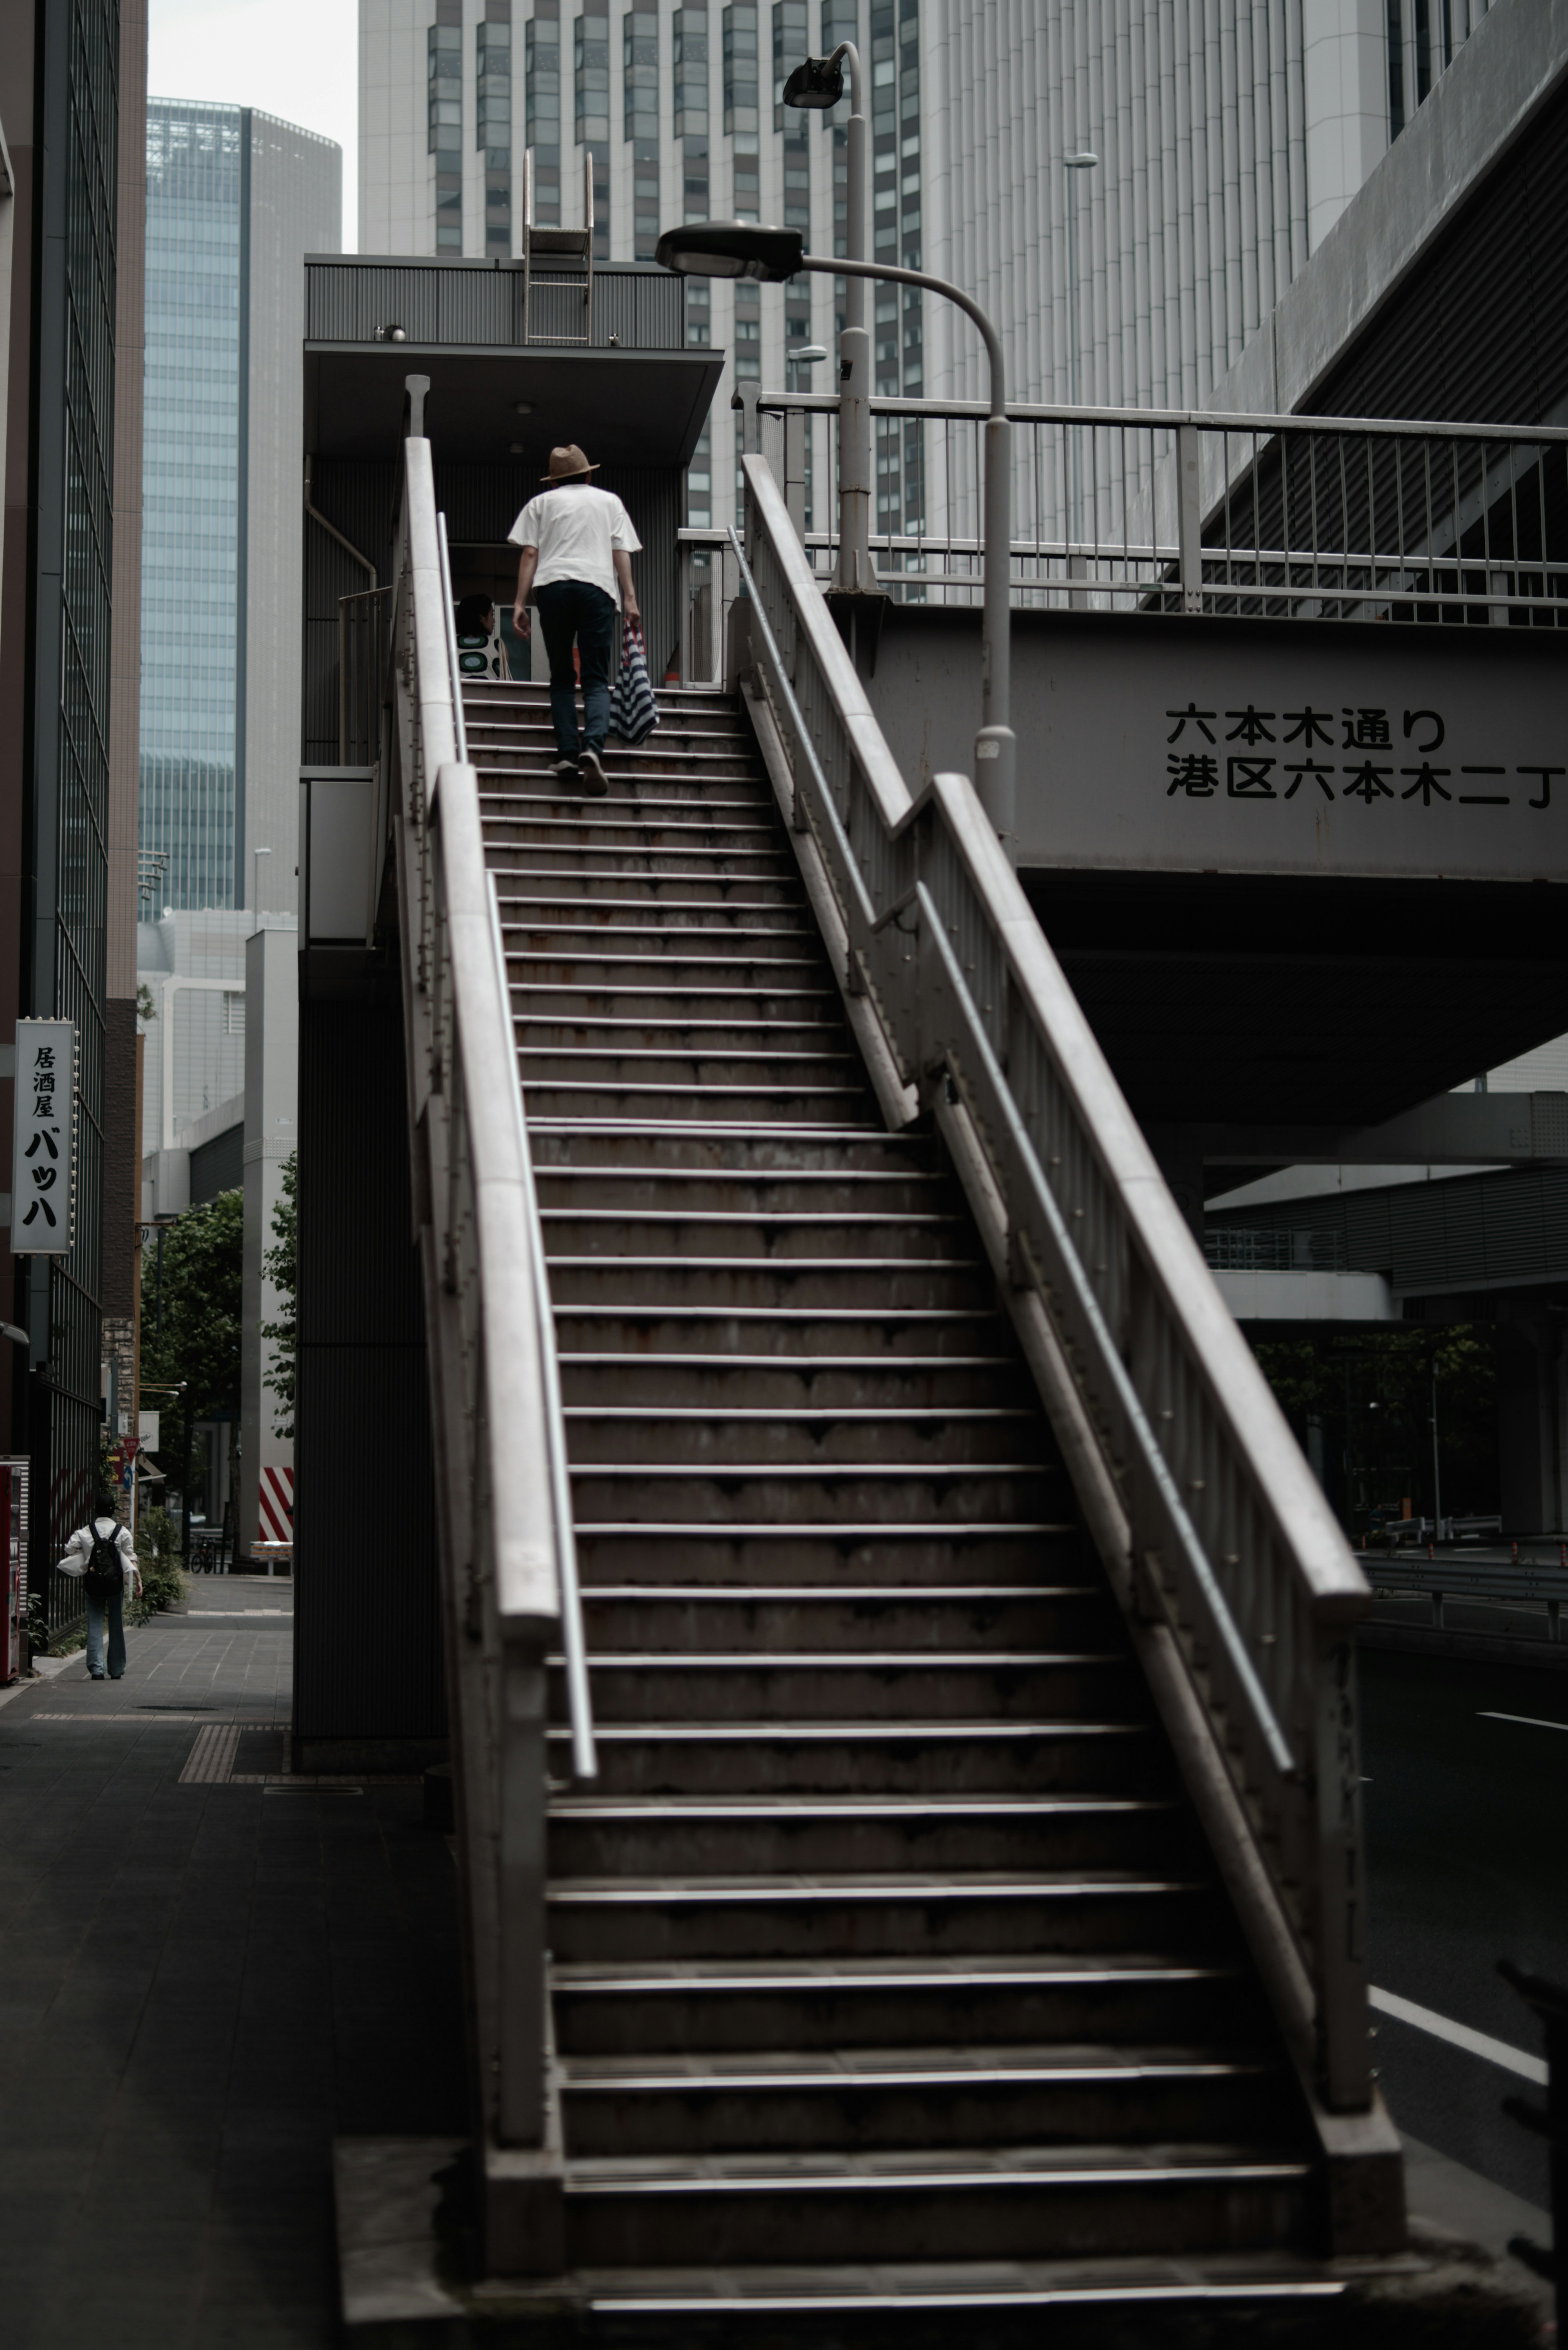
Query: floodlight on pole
[734, 249]
[816, 86]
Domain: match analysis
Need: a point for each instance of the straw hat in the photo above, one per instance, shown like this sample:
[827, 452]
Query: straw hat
[567, 464]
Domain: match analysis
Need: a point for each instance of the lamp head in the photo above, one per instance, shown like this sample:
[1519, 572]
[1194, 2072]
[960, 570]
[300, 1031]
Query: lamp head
[731, 249]
[817, 85]
[1085, 161]
[808, 355]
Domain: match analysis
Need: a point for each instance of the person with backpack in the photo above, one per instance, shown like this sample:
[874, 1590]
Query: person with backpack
[575, 546]
[104, 1556]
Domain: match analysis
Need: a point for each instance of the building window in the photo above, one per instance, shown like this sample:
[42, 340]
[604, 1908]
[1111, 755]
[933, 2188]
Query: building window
[746, 177]
[691, 75]
[592, 62]
[797, 183]
[544, 109]
[791, 49]
[741, 66]
[699, 312]
[695, 204]
[444, 122]
[233, 1012]
[492, 123]
[639, 73]
[748, 331]
[541, 68]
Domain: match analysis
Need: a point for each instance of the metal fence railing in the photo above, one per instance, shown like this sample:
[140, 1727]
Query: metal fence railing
[1216, 1537]
[1148, 510]
[1232, 1248]
[508, 1561]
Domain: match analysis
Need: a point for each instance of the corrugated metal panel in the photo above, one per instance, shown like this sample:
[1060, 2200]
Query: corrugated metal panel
[1479, 331]
[368, 1647]
[353, 301]
[218, 1166]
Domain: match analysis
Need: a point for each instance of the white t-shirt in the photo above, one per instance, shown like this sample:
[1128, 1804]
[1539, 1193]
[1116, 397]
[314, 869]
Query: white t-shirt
[576, 529]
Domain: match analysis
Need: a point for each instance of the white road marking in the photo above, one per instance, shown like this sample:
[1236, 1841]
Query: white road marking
[1530, 1721]
[1460, 2035]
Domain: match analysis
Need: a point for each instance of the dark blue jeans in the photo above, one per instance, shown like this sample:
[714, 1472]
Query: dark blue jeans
[572, 609]
[97, 1610]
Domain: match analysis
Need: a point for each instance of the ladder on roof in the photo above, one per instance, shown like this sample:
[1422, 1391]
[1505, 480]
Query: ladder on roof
[557, 302]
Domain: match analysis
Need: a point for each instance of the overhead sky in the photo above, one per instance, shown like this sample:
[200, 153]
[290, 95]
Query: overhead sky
[296, 59]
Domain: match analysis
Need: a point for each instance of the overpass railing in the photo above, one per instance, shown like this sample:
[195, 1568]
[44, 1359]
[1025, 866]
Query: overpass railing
[508, 1562]
[1177, 511]
[1221, 1548]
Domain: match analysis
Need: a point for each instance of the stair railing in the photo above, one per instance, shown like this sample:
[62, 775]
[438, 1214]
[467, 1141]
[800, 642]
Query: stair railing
[1236, 1579]
[508, 1563]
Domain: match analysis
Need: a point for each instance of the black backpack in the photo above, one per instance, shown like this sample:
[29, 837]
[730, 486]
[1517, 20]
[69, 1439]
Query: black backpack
[105, 1575]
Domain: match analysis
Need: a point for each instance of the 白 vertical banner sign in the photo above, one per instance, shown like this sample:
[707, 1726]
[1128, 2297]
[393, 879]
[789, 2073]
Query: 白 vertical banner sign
[43, 1152]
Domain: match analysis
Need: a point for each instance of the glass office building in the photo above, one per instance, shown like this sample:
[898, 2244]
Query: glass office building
[234, 200]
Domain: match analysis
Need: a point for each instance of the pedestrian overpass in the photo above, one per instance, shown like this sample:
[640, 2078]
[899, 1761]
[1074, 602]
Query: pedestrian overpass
[897, 1664]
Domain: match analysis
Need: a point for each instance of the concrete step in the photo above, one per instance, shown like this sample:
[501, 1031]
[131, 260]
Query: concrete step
[761, 1382]
[654, 1006]
[658, 1620]
[891, 1190]
[815, 1494]
[587, 968]
[702, 2007]
[950, 2204]
[790, 2100]
[720, 1035]
[701, 830]
[967, 1758]
[958, 1913]
[535, 919]
[727, 1152]
[893, 1335]
[717, 1439]
[519, 848]
[1012, 1685]
[903, 1557]
[756, 1236]
[660, 1102]
[823, 1061]
[664, 886]
[695, 1836]
[722, 1285]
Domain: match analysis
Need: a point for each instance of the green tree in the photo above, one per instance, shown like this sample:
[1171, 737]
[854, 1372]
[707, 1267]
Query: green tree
[280, 1266]
[191, 1320]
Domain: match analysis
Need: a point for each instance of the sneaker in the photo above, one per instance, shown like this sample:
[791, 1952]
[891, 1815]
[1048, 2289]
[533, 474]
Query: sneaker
[565, 771]
[596, 783]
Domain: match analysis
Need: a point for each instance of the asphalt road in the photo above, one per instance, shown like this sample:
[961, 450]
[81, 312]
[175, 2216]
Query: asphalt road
[1467, 1836]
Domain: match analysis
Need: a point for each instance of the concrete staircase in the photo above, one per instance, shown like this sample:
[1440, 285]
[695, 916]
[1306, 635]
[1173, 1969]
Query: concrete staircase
[884, 1949]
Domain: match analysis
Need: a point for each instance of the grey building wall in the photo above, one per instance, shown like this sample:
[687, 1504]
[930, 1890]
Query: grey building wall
[296, 208]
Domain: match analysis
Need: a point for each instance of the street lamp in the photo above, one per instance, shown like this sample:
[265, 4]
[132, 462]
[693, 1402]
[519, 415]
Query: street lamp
[815, 86]
[1085, 159]
[737, 249]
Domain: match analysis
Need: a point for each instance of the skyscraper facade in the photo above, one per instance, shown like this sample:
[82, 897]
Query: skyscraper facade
[1225, 142]
[235, 201]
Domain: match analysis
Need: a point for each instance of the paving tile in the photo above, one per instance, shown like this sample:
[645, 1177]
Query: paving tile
[200, 1988]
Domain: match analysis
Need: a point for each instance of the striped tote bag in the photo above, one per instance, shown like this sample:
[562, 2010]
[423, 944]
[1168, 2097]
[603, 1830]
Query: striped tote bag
[634, 713]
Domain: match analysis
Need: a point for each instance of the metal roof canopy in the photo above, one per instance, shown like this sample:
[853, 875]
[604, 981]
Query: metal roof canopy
[624, 408]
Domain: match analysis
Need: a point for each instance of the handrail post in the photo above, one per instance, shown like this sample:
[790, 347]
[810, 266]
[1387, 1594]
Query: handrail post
[522, 1770]
[1190, 515]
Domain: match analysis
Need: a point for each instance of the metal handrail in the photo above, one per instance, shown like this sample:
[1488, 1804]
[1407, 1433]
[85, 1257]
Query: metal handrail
[1204, 420]
[1212, 1528]
[573, 1643]
[508, 1561]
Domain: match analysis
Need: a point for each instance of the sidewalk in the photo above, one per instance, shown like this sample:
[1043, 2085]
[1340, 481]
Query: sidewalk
[200, 1986]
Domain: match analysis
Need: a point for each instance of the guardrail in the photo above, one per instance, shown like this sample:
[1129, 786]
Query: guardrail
[1180, 511]
[1456, 1578]
[1233, 1573]
[508, 1562]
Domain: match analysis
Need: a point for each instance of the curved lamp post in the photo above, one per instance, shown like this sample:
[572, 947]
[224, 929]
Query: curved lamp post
[737, 249]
